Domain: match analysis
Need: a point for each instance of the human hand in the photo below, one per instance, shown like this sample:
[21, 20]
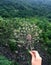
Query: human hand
[36, 59]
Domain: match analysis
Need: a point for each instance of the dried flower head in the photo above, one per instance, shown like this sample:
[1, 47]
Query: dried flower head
[29, 37]
[27, 34]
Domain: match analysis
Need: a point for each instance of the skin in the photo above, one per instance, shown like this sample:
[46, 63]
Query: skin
[36, 59]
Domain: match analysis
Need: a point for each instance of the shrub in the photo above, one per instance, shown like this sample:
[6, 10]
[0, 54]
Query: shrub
[27, 34]
[4, 61]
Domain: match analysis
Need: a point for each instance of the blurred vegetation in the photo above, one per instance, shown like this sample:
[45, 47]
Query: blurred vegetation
[24, 9]
[10, 29]
[4, 61]
[17, 19]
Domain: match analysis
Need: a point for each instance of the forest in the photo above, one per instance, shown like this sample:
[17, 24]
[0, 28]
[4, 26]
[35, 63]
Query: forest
[18, 20]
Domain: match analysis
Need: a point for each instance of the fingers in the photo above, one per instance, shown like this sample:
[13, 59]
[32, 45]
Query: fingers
[36, 59]
[32, 54]
[35, 54]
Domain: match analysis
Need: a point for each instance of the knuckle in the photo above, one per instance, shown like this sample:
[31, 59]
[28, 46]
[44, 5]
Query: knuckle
[40, 58]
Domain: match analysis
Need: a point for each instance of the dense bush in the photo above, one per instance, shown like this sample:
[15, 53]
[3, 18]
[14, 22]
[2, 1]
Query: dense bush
[14, 32]
[18, 32]
[4, 61]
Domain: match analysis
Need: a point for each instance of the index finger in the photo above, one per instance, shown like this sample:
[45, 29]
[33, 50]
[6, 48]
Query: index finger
[36, 54]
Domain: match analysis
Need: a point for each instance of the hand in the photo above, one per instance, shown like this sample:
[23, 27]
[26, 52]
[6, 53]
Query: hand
[36, 59]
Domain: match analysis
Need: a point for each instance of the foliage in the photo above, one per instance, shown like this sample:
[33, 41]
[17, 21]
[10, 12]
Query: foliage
[24, 9]
[45, 25]
[21, 20]
[4, 61]
[12, 28]
[14, 32]
[26, 30]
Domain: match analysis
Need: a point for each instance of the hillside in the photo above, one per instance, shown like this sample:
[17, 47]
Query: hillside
[25, 8]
